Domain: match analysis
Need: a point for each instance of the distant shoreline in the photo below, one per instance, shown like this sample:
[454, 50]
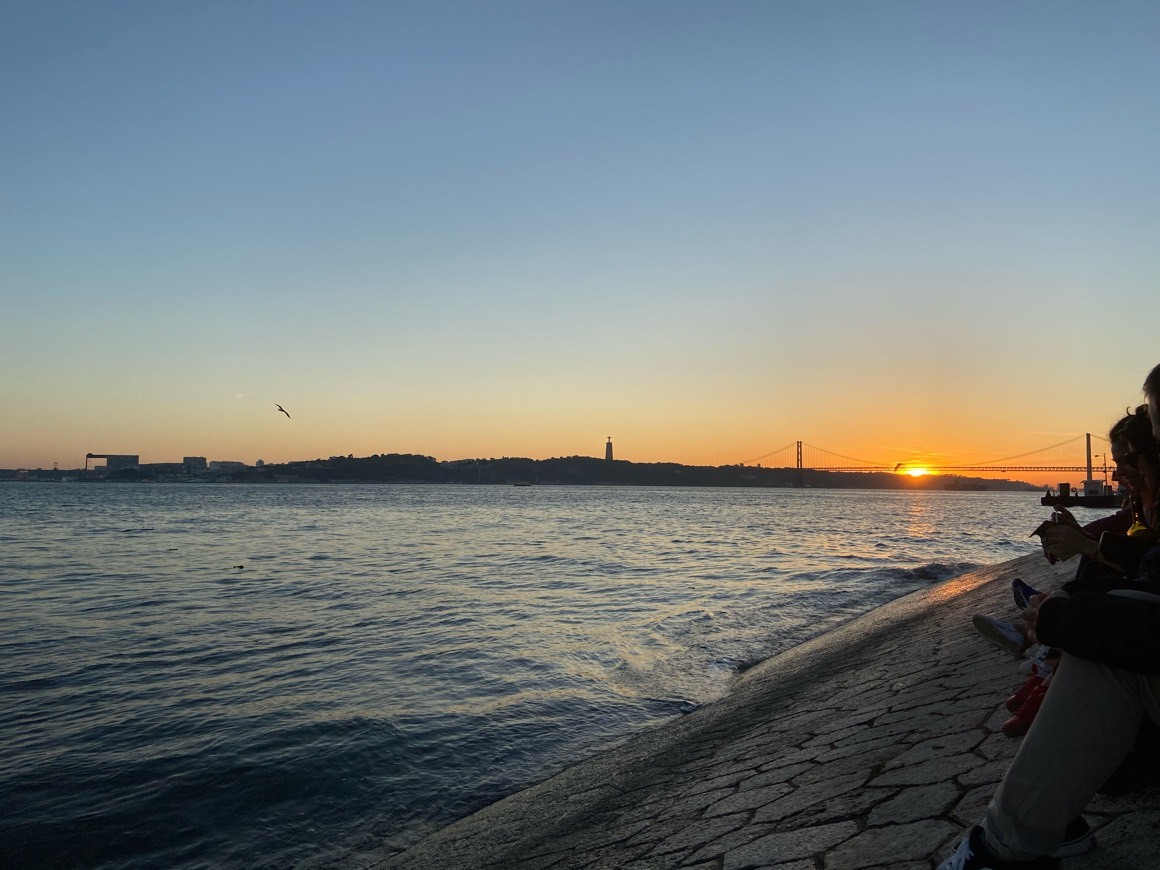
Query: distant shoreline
[565, 471]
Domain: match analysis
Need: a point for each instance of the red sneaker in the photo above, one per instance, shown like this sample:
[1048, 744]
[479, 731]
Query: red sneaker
[1018, 724]
[1022, 693]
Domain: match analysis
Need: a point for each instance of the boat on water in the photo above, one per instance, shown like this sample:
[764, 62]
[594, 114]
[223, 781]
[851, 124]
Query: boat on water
[1078, 500]
[1094, 495]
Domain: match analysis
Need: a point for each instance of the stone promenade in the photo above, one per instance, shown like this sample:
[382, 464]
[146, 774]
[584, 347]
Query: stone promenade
[874, 745]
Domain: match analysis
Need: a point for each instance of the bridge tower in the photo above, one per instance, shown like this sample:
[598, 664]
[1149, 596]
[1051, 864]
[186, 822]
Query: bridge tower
[800, 478]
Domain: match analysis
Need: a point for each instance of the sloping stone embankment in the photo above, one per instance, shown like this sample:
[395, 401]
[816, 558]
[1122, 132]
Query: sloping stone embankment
[873, 745]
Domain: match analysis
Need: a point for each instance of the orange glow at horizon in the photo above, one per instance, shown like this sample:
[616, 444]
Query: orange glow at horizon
[918, 472]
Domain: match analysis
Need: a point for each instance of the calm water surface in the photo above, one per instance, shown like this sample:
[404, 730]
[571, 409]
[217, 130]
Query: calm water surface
[390, 658]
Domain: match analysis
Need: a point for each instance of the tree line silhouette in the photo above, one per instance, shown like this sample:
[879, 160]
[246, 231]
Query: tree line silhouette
[586, 470]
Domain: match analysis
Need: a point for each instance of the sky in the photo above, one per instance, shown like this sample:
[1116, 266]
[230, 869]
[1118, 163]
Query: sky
[902, 230]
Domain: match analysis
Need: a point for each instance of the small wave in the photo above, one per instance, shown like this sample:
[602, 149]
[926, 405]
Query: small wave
[928, 574]
[936, 572]
[736, 665]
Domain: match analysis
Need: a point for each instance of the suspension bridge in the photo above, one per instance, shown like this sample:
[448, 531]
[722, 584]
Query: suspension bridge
[1074, 454]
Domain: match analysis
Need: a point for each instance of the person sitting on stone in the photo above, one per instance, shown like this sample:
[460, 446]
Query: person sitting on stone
[1107, 683]
[1111, 559]
[1137, 470]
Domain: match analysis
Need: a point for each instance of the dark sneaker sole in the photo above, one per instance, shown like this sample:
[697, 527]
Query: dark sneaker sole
[1078, 846]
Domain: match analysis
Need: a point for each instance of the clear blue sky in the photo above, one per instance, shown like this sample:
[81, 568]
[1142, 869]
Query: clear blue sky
[516, 228]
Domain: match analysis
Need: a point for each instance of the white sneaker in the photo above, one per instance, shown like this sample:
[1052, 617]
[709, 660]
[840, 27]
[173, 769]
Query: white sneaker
[973, 854]
[960, 857]
[1035, 660]
[1003, 634]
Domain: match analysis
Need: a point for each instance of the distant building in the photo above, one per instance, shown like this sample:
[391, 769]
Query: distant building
[608, 450]
[226, 467]
[194, 464]
[161, 470]
[113, 462]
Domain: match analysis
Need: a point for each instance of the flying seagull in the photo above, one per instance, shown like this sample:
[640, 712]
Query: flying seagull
[283, 410]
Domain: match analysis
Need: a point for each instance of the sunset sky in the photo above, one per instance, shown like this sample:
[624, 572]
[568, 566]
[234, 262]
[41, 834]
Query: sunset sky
[899, 230]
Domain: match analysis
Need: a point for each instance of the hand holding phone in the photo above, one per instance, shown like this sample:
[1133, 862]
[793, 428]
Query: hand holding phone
[1062, 541]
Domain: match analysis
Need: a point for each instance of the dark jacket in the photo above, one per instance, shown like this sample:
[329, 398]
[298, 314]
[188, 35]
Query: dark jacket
[1131, 556]
[1119, 566]
[1115, 630]
[1110, 629]
[1119, 522]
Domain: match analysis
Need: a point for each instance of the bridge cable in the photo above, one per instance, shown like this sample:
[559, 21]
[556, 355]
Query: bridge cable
[850, 458]
[1021, 455]
[789, 446]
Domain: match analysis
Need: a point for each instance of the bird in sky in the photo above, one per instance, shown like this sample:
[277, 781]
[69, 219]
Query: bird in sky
[283, 410]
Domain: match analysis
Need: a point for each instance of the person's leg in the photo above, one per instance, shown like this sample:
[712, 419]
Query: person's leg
[1084, 729]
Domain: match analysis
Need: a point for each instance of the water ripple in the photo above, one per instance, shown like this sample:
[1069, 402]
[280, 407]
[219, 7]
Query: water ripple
[392, 657]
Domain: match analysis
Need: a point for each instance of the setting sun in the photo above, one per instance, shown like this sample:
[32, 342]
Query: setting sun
[917, 472]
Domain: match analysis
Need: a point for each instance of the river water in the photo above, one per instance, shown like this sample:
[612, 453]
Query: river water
[282, 676]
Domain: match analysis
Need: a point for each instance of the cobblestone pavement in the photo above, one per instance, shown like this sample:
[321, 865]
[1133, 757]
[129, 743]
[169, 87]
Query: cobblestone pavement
[874, 745]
